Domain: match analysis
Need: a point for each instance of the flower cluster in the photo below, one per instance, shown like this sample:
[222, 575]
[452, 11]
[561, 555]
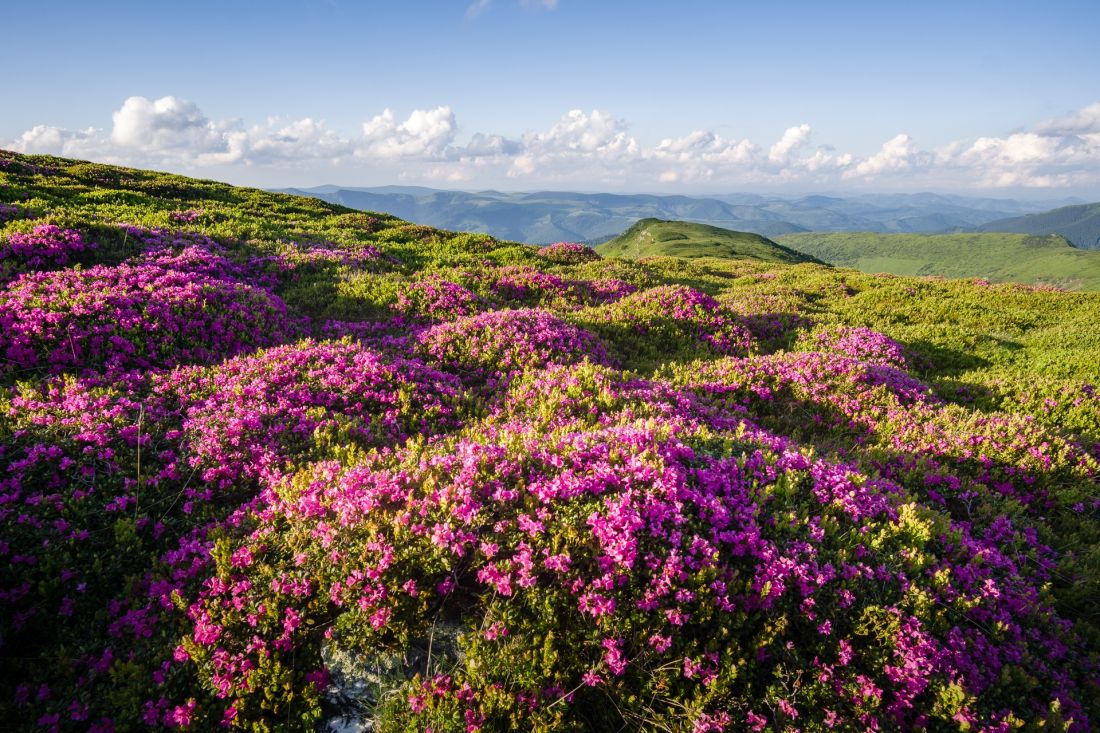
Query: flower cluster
[47, 245]
[860, 343]
[132, 316]
[522, 285]
[186, 217]
[250, 415]
[640, 539]
[570, 253]
[670, 320]
[497, 343]
[435, 298]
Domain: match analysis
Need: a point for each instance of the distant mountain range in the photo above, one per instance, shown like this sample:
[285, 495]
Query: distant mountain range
[553, 216]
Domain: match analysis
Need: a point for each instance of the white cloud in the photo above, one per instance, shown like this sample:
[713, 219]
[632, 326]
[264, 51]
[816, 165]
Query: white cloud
[305, 139]
[1082, 121]
[164, 124]
[897, 154]
[579, 144]
[47, 140]
[598, 134]
[589, 149]
[706, 146]
[482, 145]
[425, 133]
[793, 139]
[546, 4]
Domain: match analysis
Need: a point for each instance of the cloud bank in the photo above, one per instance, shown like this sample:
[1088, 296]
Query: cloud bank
[587, 149]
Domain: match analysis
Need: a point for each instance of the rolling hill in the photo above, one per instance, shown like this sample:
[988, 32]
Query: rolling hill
[998, 257]
[650, 237]
[1080, 225]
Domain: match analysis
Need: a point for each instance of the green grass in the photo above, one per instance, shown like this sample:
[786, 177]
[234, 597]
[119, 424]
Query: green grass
[656, 237]
[993, 256]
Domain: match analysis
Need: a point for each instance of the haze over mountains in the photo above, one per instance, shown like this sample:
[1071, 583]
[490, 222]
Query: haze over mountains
[551, 216]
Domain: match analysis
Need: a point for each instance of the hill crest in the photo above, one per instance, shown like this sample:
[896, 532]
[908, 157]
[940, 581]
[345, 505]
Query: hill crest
[652, 237]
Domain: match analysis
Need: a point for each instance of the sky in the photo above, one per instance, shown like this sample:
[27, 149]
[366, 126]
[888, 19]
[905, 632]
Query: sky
[692, 96]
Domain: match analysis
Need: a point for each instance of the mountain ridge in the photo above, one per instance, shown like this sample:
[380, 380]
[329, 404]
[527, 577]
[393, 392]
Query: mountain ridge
[544, 217]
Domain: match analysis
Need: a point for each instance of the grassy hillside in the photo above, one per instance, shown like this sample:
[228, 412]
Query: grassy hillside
[655, 237]
[270, 464]
[997, 257]
[1080, 225]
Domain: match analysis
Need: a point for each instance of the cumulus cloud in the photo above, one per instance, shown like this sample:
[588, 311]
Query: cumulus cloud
[1083, 121]
[165, 123]
[793, 139]
[425, 133]
[580, 144]
[588, 148]
[899, 153]
[482, 145]
[47, 140]
[281, 141]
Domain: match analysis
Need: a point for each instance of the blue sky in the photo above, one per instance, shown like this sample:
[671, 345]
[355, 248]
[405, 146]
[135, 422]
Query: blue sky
[588, 94]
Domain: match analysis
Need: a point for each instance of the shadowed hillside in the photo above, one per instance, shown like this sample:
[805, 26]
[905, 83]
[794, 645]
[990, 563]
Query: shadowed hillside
[1080, 225]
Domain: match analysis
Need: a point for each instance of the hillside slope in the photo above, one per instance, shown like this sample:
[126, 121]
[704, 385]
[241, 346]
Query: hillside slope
[270, 464]
[1080, 225]
[654, 237]
[997, 257]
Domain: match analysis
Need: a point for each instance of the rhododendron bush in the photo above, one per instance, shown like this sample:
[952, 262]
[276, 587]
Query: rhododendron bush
[269, 464]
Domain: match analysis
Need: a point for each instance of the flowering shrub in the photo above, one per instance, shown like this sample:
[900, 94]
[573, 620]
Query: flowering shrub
[501, 342]
[522, 285]
[186, 217]
[568, 253]
[609, 290]
[250, 415]
[669, 322]
[647, 564]
[364, 257]
[47, 245]
[860, 343]
[162, 239]
[437, 299]
[131, 316]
